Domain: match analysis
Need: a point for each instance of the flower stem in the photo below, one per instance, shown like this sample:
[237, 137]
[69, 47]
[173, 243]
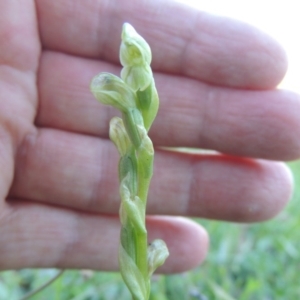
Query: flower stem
[136, 97]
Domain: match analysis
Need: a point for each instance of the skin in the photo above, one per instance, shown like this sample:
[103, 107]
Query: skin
[216, 79]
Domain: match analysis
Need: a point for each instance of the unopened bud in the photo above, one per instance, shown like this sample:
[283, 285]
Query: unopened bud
[132, 209]
[132, 276]
[135, 57]
[134, 49]
[146, 155]
[157, 254]
[112, 90]
[133, 118]
[119, 136]
[148, 103]
[128, 172]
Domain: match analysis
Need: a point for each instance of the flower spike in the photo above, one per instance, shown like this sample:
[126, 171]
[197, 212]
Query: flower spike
[136, 97]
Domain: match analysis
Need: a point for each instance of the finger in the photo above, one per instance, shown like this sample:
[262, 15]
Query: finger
[263, 124]
[192, 43]
[38, 236]
[80, 172]
[18, 62]
[19, 56]
[18, 36]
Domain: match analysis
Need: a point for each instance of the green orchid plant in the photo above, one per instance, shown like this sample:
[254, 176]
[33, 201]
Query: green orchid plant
[135, 95]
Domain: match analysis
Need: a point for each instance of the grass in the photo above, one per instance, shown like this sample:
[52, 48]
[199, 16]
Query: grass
[245, 262]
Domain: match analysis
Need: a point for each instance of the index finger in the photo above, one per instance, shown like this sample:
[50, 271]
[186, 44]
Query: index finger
[184, 41]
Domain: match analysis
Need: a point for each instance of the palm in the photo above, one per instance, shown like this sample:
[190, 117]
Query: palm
[58, 170]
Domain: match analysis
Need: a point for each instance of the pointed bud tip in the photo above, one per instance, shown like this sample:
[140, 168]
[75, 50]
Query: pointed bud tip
[128, 31]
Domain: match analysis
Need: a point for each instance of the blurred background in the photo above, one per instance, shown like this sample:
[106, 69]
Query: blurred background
[245, 262]
[279, 19]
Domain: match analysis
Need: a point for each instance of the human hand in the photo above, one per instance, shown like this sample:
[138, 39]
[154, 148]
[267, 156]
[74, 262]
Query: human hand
[59, 182]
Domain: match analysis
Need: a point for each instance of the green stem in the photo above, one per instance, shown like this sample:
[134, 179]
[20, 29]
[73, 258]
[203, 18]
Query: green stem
[141, 252]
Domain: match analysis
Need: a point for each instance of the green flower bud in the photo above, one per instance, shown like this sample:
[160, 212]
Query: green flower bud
[137, 77]
[132, 210]
[119, 136]
[146, 153]
[135, 57]
[128, 172]
[147, 102]
[127, 235]
[132, 276]
[112, 90]
[133, 118]
[157, 254]
[134, 49]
